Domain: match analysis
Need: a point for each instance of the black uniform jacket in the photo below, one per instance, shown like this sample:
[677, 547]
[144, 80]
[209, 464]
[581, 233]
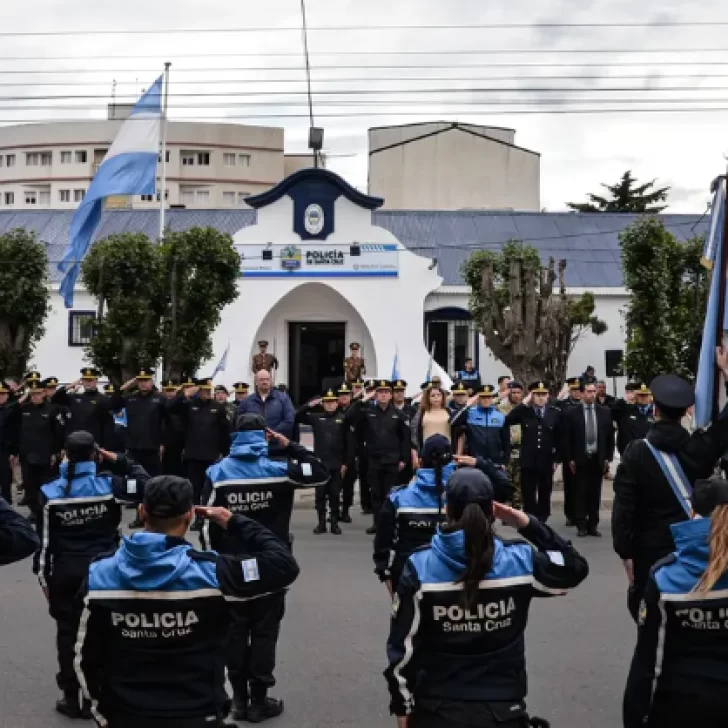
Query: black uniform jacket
[82, 521]
[207, 427]
[329, 434]
[682, 643]
[645, 505]
[17, 537]
[440, 649]
[385, 431]
[632, 423]
[88, 410]
[156, 618]
[37, 432]
[147, 414]
[541, 437]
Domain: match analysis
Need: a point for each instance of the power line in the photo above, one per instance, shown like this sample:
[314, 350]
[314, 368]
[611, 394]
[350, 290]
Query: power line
[358, 28]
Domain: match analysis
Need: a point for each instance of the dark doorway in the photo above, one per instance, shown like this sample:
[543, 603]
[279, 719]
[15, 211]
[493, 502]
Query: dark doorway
[316, 358]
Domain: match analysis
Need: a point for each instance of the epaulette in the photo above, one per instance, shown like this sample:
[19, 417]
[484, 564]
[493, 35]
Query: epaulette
[197, 555]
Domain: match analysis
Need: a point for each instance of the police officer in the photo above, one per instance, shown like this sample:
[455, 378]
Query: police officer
[679, 673]
[483, 428]
[147, 415]
[241, 390]
[17, 537]
[354, 366]
[81, 517]
[37, 434]
[645, 502]
[7, 404]
[635, 419]
[264, 360]
[409, 410]
[221, 397]
[157, 613]
[388, 443]
[456, 643]
[410, 515]
[469, 376]
[86, 410]
[540, 454]
[506, 406]
[115, 432]
[572, 400]
[174, 431]
[250, 483]
[459, 399]
[357, 461]
[51, 386]
[207, 432]
[329, 445]
[346, 394]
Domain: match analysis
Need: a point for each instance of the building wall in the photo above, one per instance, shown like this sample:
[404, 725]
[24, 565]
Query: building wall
[230, 162]
[452, 170]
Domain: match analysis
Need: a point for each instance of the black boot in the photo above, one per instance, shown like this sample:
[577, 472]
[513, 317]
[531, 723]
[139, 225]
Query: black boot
[371, 531]
[321, 528]
[240, 707]
[69, 706]
[344, 516]
[335, 526]
[261, 710]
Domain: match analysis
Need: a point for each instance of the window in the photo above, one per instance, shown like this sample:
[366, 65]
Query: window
[44, 197]
[203, 158]
[2, 160]
[166, 157]
[228, 198]
[80, 327]
[32, 159]
[9, 160]
[188, 159]
[147, 198]
[31, 197]
[187, 197]
[244, 160]
[64, 195]
[241, 198]
[203, 195]
[81, 156]
[78, 195]
[9, 198]
[191, 158]
[66, 157]
[228, 160]
[46, 159]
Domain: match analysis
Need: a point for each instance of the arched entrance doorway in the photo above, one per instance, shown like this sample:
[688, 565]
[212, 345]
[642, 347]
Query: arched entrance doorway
[310, 329]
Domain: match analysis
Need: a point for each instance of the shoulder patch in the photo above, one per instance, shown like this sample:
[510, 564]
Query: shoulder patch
[250, 570]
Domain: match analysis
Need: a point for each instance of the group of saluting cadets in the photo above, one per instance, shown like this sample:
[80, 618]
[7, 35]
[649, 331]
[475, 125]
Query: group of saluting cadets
[139, 622]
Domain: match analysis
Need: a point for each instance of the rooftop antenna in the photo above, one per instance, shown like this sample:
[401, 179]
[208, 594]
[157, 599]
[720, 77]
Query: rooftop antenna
[315, 135]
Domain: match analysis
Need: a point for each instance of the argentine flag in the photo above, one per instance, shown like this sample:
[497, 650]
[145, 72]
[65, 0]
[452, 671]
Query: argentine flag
[129, 168]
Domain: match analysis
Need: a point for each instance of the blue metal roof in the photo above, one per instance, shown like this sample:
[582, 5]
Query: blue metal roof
[589, 242]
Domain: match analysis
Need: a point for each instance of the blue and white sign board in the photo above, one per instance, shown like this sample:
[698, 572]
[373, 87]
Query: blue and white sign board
[318, 260]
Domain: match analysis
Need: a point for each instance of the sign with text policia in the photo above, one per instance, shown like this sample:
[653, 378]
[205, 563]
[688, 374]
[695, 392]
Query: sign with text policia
[314, 260]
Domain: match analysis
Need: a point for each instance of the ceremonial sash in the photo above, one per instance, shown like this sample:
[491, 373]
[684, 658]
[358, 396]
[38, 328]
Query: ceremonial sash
[673, 471]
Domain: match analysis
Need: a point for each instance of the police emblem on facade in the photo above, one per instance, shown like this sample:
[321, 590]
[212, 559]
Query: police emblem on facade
[313, 219]
[291, 258]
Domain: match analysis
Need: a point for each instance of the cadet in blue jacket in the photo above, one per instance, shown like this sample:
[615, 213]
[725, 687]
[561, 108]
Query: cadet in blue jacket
[679, 674]
[80, 520]
[483, 427]
[456, 646]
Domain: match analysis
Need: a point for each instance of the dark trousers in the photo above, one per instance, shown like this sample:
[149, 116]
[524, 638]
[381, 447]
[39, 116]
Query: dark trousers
[63, 586]
[34, 476]
[450, 714]
[196, 472]
[642, 563]
[137, 722]
[365, 486]
[6, 477]
[251, 647]
[347, 487]
[670, 710]
[329, 492]
[149, 460]
[406, 474]
[382, 478]
[536, 486]
[588, 492]
[569, 485]
[172, 461]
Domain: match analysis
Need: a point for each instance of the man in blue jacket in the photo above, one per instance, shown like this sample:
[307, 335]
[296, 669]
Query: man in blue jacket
[274, 406]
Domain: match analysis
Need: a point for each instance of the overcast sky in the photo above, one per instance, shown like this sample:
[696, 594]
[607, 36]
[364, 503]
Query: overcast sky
[682, 150]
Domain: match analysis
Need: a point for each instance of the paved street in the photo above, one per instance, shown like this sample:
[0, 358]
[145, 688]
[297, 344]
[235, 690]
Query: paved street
[332, 645]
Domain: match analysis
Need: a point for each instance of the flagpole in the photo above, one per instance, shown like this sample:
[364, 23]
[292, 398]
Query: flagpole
[163, 185]
[721, 270]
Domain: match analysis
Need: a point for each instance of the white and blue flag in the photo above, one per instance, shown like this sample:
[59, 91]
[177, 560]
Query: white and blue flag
[222, 364]
[129, 168]
[395, 365]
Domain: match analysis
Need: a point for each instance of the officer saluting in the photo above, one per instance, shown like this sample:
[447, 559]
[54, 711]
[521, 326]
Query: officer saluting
[541, 441]
[86, 410]
[633, 420]
[157, 614]
[174, 433]
[652, 475]
[241, 390]
[264, 360]
[354, 366]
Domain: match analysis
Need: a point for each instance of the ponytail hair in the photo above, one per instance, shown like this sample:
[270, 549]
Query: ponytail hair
[70, 473]
[479, 549]
[718, 559]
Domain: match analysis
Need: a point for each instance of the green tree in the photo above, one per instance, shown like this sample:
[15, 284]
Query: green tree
[668, 293]
[202, 267]
[528, 324]
[24, 299]
[124, 273]
[625, 197]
